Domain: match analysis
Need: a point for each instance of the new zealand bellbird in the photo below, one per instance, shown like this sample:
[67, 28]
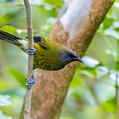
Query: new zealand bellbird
[49, 55]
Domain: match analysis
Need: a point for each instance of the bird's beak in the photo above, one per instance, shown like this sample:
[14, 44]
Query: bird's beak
[78, 59]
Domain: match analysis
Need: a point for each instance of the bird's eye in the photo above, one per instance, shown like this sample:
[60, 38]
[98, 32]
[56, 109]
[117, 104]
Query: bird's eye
[71, 55]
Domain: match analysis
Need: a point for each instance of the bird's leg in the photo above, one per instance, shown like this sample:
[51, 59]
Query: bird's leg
[31, 50]
[31, 83]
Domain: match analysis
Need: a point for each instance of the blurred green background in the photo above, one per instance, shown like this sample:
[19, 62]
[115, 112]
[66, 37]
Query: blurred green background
[93, 91]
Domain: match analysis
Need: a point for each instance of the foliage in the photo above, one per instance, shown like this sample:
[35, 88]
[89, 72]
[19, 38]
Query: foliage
[8, 29]
[92, 90]
[20, 77]
[2, 116]
[4, 101]
[93, 95]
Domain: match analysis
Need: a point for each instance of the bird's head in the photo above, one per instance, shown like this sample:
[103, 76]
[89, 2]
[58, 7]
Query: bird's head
[68, 56]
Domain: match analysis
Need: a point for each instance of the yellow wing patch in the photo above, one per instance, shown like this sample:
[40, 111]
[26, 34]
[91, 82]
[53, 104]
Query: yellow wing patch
[42, 42]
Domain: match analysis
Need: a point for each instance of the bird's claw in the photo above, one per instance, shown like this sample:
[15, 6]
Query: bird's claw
[31, 83]
[31, 50]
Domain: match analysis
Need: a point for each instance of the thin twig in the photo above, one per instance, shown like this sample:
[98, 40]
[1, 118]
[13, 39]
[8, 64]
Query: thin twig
[30, 59]
[18, 5]
[4, 5]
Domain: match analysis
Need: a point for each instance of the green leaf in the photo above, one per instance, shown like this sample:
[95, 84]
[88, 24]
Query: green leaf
[2, 116]
[18, 76]
[54, 2]
[4, 83]
[107, 23]
[116, 29]
[109, 105]
[76, 82]
[8, 29]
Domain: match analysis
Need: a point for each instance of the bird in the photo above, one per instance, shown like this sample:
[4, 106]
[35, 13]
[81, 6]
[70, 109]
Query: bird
[49, 55]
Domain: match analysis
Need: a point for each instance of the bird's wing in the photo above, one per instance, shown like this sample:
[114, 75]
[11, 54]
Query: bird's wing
[42, 42]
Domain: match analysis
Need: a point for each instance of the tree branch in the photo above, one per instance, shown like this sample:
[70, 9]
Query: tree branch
[30, 59]
[75, 30]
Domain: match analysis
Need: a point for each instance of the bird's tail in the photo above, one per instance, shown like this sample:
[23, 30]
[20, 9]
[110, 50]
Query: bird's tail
[22, 44]
[9, 38]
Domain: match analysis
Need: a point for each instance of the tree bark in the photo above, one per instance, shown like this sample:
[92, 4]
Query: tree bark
[74, 29]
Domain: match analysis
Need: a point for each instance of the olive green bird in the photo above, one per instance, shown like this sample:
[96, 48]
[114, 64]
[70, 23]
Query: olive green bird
[49, 55]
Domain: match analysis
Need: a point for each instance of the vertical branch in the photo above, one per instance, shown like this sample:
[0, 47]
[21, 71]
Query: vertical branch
[30, 59]
[117, 96]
